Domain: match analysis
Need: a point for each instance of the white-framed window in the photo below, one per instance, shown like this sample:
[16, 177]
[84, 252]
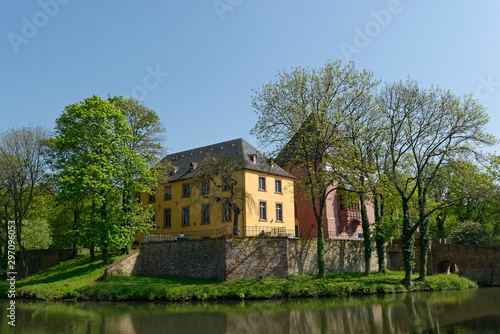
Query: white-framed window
[185, 190]
[185, 216]
[279, 212]
[262, 210]
[226, 183]
[167, 218]
[205, 214]
[205, 188]
[262, 183]
[277, 185]
[167, 193]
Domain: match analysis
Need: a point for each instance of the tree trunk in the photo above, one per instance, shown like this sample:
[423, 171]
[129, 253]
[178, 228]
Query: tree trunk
[379, 234]
[408, 242]
[236, 226]
[425, 235]
[367, 241]
[318, 209]
[105, 254]
[74, 251]
[321, 249]
[104, 243]
[127, 249]
[127, 209]
[92, 252]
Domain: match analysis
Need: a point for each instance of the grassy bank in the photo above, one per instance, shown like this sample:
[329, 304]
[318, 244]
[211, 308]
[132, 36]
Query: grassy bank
[79, 279]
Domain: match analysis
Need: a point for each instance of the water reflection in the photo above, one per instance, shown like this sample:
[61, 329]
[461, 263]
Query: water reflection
[470, 311]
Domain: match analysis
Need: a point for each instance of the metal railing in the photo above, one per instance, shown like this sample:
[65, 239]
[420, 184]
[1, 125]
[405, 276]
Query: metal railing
[249, 231]
[190, 235]
[313, 234]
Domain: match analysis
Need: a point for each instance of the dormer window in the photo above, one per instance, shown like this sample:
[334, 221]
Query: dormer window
[191, 166]
[254, 158]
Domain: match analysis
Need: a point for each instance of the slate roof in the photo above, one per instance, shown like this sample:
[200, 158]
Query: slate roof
[293, 151]
[181, 162]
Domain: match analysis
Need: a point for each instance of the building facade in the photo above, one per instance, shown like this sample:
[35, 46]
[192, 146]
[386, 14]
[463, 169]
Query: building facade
[245, 195]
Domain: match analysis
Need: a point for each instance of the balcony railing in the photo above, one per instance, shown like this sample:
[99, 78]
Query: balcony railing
[249, 231]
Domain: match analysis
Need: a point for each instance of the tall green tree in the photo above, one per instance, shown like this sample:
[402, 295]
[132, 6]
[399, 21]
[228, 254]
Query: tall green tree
[145, 141]
[93, 161]
[353, 162]
[148, 130]
[299, 116]
[426, 129]
[386, 224]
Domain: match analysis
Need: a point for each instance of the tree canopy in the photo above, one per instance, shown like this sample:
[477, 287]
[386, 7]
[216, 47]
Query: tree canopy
[96, 165]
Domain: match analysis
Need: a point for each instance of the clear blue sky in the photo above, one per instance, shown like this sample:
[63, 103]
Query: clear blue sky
[195, 62]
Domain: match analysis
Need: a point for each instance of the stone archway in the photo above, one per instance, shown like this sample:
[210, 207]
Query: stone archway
[447, 267]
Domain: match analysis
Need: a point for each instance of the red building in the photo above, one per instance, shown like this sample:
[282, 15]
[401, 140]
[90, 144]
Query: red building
[341, 220]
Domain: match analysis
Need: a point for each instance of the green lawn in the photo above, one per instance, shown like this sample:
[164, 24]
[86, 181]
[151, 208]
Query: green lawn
[80, 279]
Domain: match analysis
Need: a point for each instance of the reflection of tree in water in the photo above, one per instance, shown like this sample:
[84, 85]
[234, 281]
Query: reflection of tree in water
[396, 313]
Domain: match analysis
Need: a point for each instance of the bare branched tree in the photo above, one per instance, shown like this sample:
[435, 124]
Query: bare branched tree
[300, 115]
[23, 161]
[426, 130]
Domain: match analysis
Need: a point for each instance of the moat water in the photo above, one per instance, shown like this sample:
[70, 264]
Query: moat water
[470, 311]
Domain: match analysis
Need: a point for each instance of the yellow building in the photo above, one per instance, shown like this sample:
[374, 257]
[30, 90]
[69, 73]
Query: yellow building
[187, 203]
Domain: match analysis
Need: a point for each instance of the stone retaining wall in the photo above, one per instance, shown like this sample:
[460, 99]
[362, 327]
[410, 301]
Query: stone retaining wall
[186, 258]
[340, 256]
[263, 257]
[256, 257]
[129, 265]
[242, 258]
